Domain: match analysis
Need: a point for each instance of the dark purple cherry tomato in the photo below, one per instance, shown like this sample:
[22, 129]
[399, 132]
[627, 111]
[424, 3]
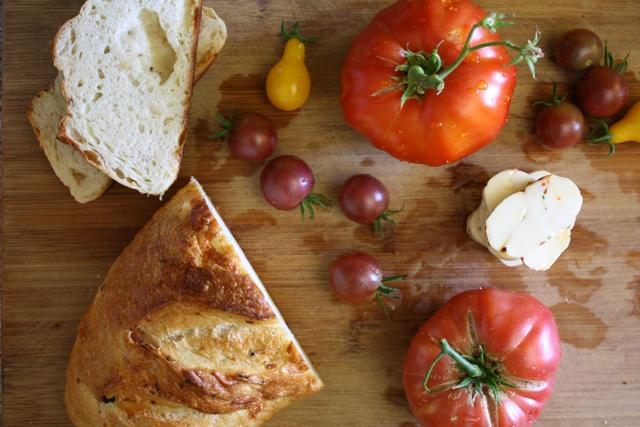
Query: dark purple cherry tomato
[363, 198]
[356, 278]
[251, 136]
[286, 181]
[602, 92]
[560, 126]
[578, 50]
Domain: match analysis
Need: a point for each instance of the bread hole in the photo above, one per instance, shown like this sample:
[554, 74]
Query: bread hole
[80, 83]
[131, 181]
[107, 49]
[75, 135]
[119, 173]
[97, 96]
[168, 121]
[74, 49]
[92, 157]
[73, 36]
[163, 57]
[141, 128]
[100, 74]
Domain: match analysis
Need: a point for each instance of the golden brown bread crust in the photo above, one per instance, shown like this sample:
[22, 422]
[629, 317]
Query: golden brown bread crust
[180, 335]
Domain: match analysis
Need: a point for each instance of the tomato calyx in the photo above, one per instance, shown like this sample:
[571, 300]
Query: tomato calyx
[479, 371]
[385, 291]
[600, 134]
[556, 99]
[610, 62]
[383, 220]
[226, 124]
[424, 71]
[294, 33]
[312, 201]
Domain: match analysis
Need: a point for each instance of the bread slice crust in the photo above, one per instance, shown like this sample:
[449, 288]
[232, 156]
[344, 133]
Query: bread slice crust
[183, 333]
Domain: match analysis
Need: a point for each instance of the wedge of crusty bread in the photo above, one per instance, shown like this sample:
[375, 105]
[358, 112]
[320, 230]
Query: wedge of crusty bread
[86, 182]
[127, 75]
[182, 332]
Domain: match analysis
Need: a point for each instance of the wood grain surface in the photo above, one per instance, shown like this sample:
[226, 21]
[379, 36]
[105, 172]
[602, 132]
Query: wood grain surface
[55, 251]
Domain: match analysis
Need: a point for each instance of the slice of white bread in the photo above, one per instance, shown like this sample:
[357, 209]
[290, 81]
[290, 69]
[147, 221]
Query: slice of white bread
[86, 182]
[213, 35]
[182, 332]
[127, 76]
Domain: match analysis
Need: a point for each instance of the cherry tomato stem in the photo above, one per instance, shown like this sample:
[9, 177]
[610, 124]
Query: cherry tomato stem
[311, 202]
[225, 124]
[384, 220]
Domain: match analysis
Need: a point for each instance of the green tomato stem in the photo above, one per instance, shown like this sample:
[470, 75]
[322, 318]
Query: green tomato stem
[311, 202]
[385, 219]
[225, 124]
[555, 98]
[471, 369]
[294, 33]
[600, 134]
[422, 72]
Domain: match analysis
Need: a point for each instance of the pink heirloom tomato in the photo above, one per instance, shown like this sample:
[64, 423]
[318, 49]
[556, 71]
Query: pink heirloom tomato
[487, 358]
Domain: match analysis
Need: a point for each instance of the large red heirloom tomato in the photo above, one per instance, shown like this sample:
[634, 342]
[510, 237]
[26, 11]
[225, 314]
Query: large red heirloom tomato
[404, 89]
[487, 358]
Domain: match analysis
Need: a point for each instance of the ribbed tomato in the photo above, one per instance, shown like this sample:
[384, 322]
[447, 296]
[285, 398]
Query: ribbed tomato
[494, 356]
[404, 89]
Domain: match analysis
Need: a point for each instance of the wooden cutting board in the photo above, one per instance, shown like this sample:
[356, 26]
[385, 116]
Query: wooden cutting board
[55, 251]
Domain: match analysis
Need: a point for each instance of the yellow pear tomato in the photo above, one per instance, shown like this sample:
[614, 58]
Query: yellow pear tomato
[625, 130]
[289, 82]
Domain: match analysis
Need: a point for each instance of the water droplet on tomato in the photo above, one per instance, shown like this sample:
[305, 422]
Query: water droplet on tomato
[435, 124]
[482, 85]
